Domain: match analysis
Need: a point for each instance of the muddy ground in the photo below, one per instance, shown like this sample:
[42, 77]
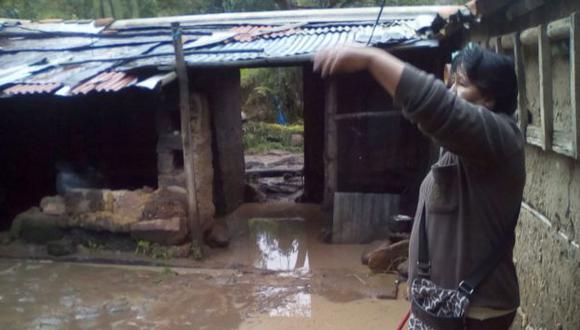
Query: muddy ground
[276, 274]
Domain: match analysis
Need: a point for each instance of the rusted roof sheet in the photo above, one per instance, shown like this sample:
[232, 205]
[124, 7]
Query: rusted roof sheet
[105, 82]
[32, 89]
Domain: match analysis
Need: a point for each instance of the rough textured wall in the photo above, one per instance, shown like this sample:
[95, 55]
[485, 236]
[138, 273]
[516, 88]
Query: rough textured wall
[222, 88]
[547, 255]
[547, 252]
[203, 166]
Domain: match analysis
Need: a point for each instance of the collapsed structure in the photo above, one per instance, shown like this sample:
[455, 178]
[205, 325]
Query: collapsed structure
[99, 100]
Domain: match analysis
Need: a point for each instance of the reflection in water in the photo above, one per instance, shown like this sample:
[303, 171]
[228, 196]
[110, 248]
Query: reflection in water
[298, 305]
[289, 302]
[280, 244]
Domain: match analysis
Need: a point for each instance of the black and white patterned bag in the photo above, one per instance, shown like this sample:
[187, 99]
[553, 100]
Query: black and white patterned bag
[434, 307]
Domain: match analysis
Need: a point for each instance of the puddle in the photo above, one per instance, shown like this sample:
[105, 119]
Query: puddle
[276, 274]
[281, 244]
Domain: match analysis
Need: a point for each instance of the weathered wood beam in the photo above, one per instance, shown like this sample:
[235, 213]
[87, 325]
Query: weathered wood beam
[372, 114]
[546, 100]
[560, 29]
[575, 81]
[274, 172]
[330, 144]
[530, 37]
[187, 116]
[520, 73]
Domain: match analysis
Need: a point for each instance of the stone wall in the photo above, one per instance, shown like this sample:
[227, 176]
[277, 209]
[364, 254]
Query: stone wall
[547, 252]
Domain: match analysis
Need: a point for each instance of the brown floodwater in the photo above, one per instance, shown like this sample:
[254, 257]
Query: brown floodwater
[276, 274]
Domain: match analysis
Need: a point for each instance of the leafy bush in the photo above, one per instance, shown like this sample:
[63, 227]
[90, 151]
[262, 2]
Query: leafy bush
[260, 137]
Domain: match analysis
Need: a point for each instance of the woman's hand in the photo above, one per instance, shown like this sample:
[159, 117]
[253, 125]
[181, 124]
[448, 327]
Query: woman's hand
[346, 59]
[384, 67]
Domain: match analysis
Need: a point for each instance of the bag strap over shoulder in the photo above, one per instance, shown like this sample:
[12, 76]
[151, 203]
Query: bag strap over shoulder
[469, 284]
[423, 261]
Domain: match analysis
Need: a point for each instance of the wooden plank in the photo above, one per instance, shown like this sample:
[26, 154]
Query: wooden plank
[534, 135]
[530, 37]
[362, 115]
[520, 72]
[274, 172]
[330, 145]
[562, 143]
[187, 137]
[575, 81]
[546, 102]
[507, 42]
[359, 217]
[560, 29]
[496, 43]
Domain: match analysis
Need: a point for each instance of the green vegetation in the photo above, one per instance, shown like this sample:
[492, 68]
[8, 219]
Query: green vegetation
[260, 137]
[268, 91]
[151, 249]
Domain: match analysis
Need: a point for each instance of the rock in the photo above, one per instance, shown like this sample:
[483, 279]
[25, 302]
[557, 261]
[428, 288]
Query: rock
[177, 190]
[165, 204]
[372, 247]
[296, 139]
[102, 221]
[218, 235]
[61, 247]
[36, 227]
[387, 258]
[130, 203]
[171, 231]
[79, 201]
[403, 269]
[53, 205]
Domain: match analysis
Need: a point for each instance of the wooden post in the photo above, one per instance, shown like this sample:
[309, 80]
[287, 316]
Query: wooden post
[521, 75]
[187, 116]
[575, 82]
[546, 111]
[330, 145]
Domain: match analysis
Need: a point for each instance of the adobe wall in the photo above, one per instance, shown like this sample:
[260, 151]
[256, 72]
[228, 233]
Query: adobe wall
[547, 252]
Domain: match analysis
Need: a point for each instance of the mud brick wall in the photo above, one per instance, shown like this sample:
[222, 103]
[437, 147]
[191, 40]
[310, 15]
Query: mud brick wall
[547, 253]
[222, 88]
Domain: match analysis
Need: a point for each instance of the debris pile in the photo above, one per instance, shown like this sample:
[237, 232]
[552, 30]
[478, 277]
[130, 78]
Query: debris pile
[274, 176]
[158, 217]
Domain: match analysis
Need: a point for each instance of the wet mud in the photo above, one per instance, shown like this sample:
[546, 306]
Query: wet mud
[276, 274]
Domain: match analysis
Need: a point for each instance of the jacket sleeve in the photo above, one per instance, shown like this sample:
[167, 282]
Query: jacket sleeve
[463, 128]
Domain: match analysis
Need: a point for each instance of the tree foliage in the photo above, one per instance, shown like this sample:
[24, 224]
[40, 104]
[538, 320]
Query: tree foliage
[268, 91]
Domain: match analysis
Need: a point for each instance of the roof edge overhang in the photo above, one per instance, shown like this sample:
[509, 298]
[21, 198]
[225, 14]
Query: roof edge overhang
[287, 16]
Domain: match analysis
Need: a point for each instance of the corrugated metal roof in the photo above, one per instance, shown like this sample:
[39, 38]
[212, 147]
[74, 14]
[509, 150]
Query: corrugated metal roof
[32, 89]
[71, 58]
[105, 82]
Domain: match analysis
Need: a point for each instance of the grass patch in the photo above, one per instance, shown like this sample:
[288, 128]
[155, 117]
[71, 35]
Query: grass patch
[260, 137]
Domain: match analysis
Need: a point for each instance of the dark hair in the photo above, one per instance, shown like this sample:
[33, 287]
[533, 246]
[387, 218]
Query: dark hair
[493, 74]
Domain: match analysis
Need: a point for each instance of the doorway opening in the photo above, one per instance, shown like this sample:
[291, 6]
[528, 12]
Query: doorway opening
[273, 133]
